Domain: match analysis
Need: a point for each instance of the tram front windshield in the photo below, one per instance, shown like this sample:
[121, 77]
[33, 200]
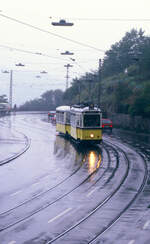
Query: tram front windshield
[91, 120]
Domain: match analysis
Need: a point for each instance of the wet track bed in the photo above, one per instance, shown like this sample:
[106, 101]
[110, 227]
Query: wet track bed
[71, 193]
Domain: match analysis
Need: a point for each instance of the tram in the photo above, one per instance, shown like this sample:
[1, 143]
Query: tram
[82, 123]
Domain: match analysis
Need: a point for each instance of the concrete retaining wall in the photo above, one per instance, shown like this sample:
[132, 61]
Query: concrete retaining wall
[125, 121]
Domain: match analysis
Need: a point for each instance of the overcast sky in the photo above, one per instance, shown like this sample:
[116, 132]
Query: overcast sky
[90, 37]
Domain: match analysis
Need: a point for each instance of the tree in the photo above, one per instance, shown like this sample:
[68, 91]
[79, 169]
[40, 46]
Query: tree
[124, 53]
[141, 105]
[49, 100]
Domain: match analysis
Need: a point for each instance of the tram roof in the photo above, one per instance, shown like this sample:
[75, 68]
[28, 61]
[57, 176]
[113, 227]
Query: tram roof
[78, 109]
[63, 108]
[85, 109]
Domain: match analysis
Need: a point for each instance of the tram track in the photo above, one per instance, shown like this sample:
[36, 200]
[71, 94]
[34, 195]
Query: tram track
[10, 211]
[26, 141]
[108, 169]
[49, 204]
[128, 205]
[100, 205]
[69, 230]
[43, 192]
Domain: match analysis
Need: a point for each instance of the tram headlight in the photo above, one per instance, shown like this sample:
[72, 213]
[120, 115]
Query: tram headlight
[91, 135]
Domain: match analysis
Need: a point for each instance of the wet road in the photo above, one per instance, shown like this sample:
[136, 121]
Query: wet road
[54, 191]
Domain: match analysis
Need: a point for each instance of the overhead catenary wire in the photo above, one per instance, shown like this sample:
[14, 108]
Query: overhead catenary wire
[31, 52]
[40, 54]
[81, 67]
[104, 19]
[16, 49]
[51, 33]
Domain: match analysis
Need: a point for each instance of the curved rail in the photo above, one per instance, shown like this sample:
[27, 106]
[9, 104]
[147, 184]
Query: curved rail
[47, 204]
[27, 145]
[127, 206]
[59, 236]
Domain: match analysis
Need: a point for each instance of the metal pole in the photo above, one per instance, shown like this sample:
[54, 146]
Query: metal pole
[99, 88]
[90, 94]
[10, 88]
[67, 75]
[79, 85]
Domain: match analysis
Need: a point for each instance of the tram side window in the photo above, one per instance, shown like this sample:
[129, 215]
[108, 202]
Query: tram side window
[91, 120]
[68, 117]
[57, 116]
[78, 120]
[73, 120]
[60, 117]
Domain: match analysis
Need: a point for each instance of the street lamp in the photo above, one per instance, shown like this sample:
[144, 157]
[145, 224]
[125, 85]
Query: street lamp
[10, 86]
[43, 72]
[11, 83]
[5, 71]
[67, 53]
[73, 59]
[38, 53]
[100, 78]
[20, 64]
[62, 22]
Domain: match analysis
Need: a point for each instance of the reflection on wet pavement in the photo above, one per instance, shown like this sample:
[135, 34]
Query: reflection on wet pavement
[89, 156]
[94, 161]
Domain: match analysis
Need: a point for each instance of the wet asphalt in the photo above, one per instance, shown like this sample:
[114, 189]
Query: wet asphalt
[49, 184]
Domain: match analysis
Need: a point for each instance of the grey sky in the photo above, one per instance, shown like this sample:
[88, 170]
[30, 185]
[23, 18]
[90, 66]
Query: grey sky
[99, 34]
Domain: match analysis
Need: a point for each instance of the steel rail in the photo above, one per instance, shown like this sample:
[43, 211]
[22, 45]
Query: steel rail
[43, 206]
[22, 151]
[102, 203]
[128, 205]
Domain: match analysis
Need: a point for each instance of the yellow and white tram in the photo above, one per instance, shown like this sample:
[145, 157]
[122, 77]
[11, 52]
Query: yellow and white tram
[80, 122]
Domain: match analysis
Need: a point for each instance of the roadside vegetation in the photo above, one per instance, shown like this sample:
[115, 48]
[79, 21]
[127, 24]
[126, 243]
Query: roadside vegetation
[124, 81]
[49, 100]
